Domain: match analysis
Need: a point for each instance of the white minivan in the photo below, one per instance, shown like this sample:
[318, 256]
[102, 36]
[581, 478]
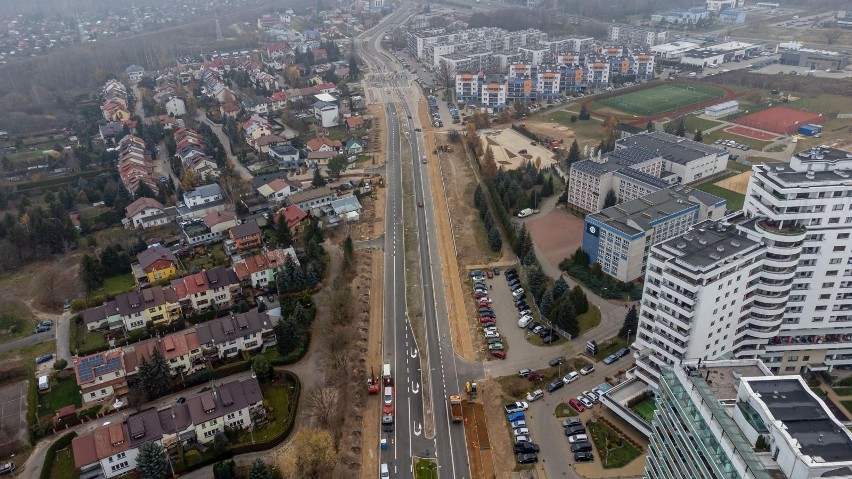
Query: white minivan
[384, 472]
[524, 321]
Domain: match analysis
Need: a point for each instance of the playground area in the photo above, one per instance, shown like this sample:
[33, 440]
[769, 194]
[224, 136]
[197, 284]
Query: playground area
[780, 119]
[751, 133]
[663, 98]
[737, 183]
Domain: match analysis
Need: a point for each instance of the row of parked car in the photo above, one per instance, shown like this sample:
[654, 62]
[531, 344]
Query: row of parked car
[732, 144]
[487, 318]
[433, 111]
[43, 326]
[526, 450]
[580, 445]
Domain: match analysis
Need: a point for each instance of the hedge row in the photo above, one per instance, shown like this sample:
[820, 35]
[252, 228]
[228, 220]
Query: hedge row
[50, 455]
[62, 180]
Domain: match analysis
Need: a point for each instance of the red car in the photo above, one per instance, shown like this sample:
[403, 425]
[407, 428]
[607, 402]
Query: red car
[486, 319]
[535, 376]
[483, 304]
[489, 273]
[577, 405]
[499, 354]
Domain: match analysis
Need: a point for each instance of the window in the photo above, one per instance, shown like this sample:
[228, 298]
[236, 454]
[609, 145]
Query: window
[833, 221]
[789, 369]
[843, 236]
[820, 308]
[839, 248]
[806, 358]
[793, 358]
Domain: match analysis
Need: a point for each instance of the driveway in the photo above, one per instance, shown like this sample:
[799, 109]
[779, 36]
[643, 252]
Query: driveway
[241, 170]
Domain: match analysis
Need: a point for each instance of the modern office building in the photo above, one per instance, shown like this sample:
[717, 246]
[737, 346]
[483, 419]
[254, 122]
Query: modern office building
[698, 300]
[682, 16]
[803, 212]
[814, 59]
[619, 238]
[722, 109]
[674, 50]
[591, 180]
[711, 415]
[636, 35]
[689, 160]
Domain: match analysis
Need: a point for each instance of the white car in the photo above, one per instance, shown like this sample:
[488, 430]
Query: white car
[571, 377]
[592, 396]
[516, 406]
[521, 431]
[585, 401]
[525, 321]
[518, 292]
[523, 313]
[578, 438]
[490, 329]
[535, 395]
[492, 334]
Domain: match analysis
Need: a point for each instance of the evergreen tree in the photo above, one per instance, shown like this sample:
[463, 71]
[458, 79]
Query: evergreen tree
[681, 129]
[259, 470]
[584, 113]
[547, 303]
[578, 297]
[564, 316]
[548, 188]
[559, 289]
[224, 470]
[489, 165]
[631, 323]
[283, 235]
[151, 461]
[479, 198]
[611, 199]
[573, 153]
[348, 253]
[90, 272]
[288, 334]
[318, 181]
[699, 136]
[650, 126]
[153, 375]
[494, 239]
[536, 282]
[261, 368]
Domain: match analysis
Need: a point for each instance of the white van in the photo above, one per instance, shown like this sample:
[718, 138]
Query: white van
[524, 321]
[384, 472]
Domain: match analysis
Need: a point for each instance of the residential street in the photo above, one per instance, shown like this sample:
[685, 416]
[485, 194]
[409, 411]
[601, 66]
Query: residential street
[241, 170]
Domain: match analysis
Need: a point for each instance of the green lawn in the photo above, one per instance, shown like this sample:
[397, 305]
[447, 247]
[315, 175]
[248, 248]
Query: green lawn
[645, 409]
[591, 129]
[213, 257]
[277, 395]
[589, 319]
[613, 450]
[662, 98]
[843, 391]
[847, 405]
[16, 320]
[425, 469]
[87, 342]
[734, 199]
[62, 393]
[63, 466]
[118, 284]
[564, 410]
[692, 123]
[611, 345]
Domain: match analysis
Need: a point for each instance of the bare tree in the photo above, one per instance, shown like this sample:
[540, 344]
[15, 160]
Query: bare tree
[322, 402]
[832, 35]
[442, 75]
[313, 455]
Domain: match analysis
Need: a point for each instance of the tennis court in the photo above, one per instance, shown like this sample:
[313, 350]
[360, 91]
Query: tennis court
[663, 98]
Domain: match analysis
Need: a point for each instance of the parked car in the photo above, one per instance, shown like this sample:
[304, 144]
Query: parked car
[522, 439]
[578, 438]
[516, 416]
[526, 447]
[571, 377]
[587, 369]
[524, 312]
[524, 372]
[496, 346]
[521, 431]
[537, 329]
[527, 458]
[491, 334]
[516, 407]
[581, 447]
[496, 271]
[593, 396]
[577, 405]
[7, 467]
[499, 354]
[41, 329]
[44, 358]
[550, 338]
[622, 352]
[180, 400]
[518, 424]
[545, 332]
[535, 395]
[524, 321]
[583, 456]
[555, 385]
[587, 403]
[575, 429]
[610, 359]
[46, 323]
[535, 376]
[489, 273]
[556, 361]
[574, 421]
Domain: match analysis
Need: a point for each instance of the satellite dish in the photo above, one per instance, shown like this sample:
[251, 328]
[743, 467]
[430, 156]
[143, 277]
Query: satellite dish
[117, 404]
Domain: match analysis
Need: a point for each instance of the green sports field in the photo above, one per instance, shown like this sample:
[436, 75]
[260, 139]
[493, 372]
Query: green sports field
[663, 98]
[645, 409]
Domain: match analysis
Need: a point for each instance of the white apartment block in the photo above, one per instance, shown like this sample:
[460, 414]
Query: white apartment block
[719, 5]
[591, 180]
[688, 160]
[493, 95]
[803, 212]
[637, 35]
[431, 44]
[700, 299]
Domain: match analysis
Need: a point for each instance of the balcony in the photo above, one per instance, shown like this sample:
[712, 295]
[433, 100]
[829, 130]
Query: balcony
[813, 339]
[779, 228]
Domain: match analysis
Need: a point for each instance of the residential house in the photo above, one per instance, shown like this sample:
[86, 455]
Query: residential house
[226, 337]
[293, 215]
[104, 316]
[180, 349]
[319, 158]
[101, 375]
[229, 405]
[354, 146]
[355, 122]
[114, 111]
[266, 143]
[201, 201]
[324, 144]
[278, 101]
[278, 189]
[326, 114]
[258, 271]
[110, 131]
[230, 109]
[148, 213]
[246, 236]
[319, 55]
[216, 287]
[256, 104]
[345, 209]
[286, 156]
[134, 73]
[175, 107]
[157, 263]
[312, 200]
[135, 166]
[155, 304]
[104, 452]
[220, 222]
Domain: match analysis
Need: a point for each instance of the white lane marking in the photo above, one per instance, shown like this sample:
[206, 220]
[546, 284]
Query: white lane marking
[415, 388]
[413, 353]
[417, 429]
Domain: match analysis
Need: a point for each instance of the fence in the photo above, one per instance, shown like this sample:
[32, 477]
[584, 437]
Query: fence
[844, 116]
